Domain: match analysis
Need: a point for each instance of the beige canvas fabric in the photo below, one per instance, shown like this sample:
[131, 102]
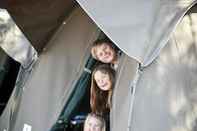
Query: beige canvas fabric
[39, 19]
[52, 77]
[122, 93]
[165, 98]
[140, 28]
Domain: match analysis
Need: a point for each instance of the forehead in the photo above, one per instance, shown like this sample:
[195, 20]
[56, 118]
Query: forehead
[99, 73]
[94, 120]
[102, 45]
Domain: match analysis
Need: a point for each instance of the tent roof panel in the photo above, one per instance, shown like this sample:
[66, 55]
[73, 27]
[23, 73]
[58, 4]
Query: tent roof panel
[39, 19]
[139, 28]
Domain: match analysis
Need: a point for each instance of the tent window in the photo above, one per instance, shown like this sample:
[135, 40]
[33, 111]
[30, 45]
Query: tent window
[8, 73]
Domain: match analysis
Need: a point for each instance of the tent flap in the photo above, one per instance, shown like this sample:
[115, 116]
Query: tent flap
[165, 97]
[13, 42]
[53, 77]
[139, 28]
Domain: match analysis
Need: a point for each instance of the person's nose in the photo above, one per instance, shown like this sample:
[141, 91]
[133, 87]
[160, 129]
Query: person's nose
[105, 52]
[101, 81]
[102, 53]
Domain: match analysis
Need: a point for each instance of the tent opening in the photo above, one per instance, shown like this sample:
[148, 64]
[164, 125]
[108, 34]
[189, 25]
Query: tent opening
[77, 106]
[8, 73]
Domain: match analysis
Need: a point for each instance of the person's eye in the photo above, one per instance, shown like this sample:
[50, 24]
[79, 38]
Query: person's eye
[104, 76]
[97, 126]
[101, 54]
[97, 80]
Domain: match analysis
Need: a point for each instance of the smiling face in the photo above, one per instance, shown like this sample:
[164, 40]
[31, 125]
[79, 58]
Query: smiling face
[93, 124]
[103, 80]
[104, 53]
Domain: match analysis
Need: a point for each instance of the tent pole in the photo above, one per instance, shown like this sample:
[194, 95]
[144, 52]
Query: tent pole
[133, 90]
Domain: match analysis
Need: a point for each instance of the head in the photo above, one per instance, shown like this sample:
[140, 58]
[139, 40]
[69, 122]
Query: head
[94, 122]
[103, 50]
[103, 79]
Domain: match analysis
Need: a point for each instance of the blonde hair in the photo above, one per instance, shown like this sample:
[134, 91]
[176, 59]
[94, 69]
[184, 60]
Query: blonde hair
[99, 42]
[99, 118]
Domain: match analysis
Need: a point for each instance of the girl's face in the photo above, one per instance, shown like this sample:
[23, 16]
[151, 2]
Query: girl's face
[103, 80]
[93, 124]
[105, 53]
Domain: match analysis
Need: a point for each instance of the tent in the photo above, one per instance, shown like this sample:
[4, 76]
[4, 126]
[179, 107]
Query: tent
[155, 87]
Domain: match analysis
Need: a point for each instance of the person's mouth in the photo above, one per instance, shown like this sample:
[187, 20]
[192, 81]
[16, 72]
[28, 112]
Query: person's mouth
[103, 85]
[107, 56]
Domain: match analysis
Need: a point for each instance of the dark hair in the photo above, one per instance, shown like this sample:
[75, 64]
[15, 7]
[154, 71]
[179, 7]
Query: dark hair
[99, 42]
[100, 100]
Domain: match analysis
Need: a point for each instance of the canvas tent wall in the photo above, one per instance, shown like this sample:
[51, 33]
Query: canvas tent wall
[152, 20]
[132, 107]
[154, 23]
[39, 19]
[165, 96]
[43, 95]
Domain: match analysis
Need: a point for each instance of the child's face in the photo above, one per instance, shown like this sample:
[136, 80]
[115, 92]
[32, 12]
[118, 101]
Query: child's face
[102, 80]
[104, 53]
[93, 124]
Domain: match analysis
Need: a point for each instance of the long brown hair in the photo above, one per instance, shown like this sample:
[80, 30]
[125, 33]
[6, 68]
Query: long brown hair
[100, 100]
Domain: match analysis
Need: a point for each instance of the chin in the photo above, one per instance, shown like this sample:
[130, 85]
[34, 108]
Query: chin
[108, 61]
[106, 89]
